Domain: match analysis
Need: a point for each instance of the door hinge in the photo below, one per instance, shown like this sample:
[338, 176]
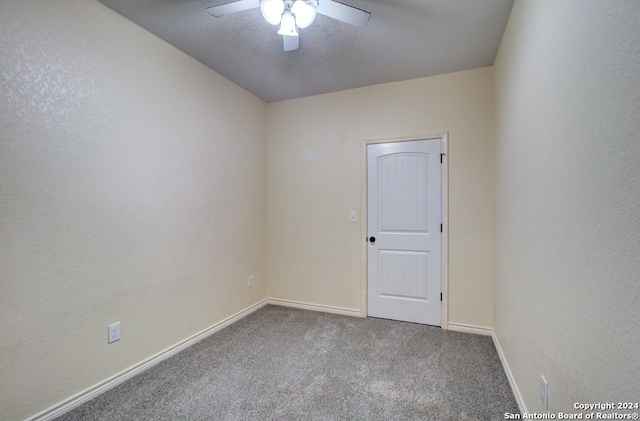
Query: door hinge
[441, 155]
[440, 296]
[440, 227]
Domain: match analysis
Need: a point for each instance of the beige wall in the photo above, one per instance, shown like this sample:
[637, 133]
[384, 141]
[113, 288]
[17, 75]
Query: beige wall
[567, 179]
[132, 189]
[315, 171]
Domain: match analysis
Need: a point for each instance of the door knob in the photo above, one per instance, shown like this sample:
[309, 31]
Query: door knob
[372, 239]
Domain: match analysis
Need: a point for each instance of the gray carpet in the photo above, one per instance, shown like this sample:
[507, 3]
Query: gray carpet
[287, 364]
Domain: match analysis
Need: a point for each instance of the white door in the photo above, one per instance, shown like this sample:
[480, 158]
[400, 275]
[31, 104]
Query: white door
[404, 190]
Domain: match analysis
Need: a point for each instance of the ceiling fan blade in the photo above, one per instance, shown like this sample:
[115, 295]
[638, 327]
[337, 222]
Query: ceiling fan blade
[290, 43]
[232, 7]
[344, 13]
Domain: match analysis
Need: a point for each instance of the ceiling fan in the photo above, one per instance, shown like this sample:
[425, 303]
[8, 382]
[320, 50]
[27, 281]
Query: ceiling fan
[294, 14]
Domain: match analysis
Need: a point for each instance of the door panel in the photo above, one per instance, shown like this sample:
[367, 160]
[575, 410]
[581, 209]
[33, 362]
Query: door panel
[399, 175]
[404, 212]
[400, 272]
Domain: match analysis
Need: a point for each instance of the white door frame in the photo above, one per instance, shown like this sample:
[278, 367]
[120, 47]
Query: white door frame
[445, 218]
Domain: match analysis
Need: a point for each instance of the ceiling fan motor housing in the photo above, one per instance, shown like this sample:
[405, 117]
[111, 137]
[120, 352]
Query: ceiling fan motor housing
[304, 11]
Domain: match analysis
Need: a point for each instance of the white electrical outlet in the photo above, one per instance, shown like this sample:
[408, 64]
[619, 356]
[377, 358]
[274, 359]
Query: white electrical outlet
[250, 281]
[544, 395]
[114, 332]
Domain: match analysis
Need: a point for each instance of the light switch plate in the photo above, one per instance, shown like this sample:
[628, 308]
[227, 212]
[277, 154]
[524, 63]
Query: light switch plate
[353, 217]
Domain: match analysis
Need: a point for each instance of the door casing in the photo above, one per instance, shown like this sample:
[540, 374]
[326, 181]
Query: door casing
[445, 218]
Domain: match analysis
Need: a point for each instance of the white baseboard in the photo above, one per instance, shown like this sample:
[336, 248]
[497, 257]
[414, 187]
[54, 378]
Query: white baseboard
[487, 331]
[510, 378]
[95, 390]
[316, 307]
[476, 330]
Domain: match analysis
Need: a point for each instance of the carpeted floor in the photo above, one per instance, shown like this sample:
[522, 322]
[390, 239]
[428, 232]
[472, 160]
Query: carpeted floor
[287, 364]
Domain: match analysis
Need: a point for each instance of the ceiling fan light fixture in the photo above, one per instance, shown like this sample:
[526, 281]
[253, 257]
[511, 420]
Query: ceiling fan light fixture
[288, 26]
[272, 10]
[304, 13]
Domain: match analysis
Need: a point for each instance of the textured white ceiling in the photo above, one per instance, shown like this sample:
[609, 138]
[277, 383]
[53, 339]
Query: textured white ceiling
[405, 39]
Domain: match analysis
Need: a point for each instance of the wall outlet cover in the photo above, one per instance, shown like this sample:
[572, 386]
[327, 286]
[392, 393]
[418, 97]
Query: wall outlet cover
[544, 393]
[114, 332]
